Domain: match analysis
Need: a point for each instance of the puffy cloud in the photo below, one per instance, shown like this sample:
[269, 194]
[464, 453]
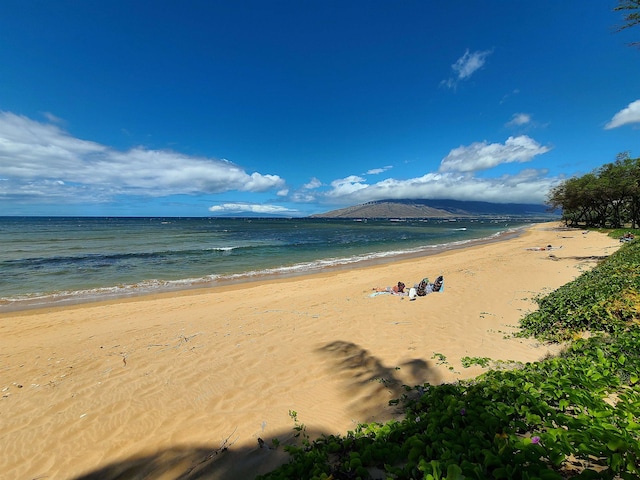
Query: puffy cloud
[261, 183]
[630, 114]
[528, 186]
[346, 186]
[307, 193]
[483, 155]
[42, 160]
[313, 184]
[466, 66]
[240, 208]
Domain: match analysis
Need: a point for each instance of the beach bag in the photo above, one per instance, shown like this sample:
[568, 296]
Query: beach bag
[421, 289]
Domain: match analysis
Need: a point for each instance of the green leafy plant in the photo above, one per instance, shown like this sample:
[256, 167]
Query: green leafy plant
[441, 359]
[480, 361]
[602, 299]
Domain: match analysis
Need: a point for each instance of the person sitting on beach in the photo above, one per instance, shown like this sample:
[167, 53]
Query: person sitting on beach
[396, 289]
[627, 237]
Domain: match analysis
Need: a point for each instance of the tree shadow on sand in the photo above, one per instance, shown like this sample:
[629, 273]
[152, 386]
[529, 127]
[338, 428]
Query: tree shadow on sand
[366, 381]
[192, 463]
[369, 384]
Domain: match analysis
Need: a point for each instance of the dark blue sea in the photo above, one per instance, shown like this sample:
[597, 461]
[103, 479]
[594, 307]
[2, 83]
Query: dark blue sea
[50, 261]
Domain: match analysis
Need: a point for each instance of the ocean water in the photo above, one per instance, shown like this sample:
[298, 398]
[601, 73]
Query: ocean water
[48, 261]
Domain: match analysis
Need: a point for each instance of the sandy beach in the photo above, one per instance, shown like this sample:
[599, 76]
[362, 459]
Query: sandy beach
[161, 385]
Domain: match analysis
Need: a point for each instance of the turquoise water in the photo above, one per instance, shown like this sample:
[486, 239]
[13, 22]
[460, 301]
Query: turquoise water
[45, 261]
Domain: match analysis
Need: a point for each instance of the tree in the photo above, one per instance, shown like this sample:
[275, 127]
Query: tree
[577, 199]
[608, 196]
[632, 15]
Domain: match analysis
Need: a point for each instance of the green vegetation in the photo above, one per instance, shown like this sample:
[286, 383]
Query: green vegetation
[605, 299]
[607, 197]
[483, 362]
[574, 416]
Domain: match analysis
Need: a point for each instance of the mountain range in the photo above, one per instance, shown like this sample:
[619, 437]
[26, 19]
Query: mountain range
[411, 208]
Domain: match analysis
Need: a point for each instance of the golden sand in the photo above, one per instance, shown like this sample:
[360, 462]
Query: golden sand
[163, 383]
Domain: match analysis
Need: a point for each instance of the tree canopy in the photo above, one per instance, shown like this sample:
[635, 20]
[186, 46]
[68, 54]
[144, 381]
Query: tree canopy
[607, 197]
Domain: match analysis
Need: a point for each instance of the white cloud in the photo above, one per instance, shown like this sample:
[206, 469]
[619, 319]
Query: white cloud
[42, 160]
[519, 119]
[528, 186]
[456, 180]
[313, 184]
[307, 193]
[260, 183]
[346, 186]
[482, 155]
[466, 66]
[52, 118]
[303, 196]
[630, 114]
[377, 171]
[239, 208]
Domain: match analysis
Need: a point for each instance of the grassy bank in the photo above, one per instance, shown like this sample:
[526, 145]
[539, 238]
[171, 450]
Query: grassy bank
[573, 416]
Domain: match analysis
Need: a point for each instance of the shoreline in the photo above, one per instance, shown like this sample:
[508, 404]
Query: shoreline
[166, 381]
[70, 299]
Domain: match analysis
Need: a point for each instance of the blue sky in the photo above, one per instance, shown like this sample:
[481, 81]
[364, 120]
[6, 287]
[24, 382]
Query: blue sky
[196, 108]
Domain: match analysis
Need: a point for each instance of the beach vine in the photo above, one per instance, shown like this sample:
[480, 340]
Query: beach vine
[483, 362]
[572, 416]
